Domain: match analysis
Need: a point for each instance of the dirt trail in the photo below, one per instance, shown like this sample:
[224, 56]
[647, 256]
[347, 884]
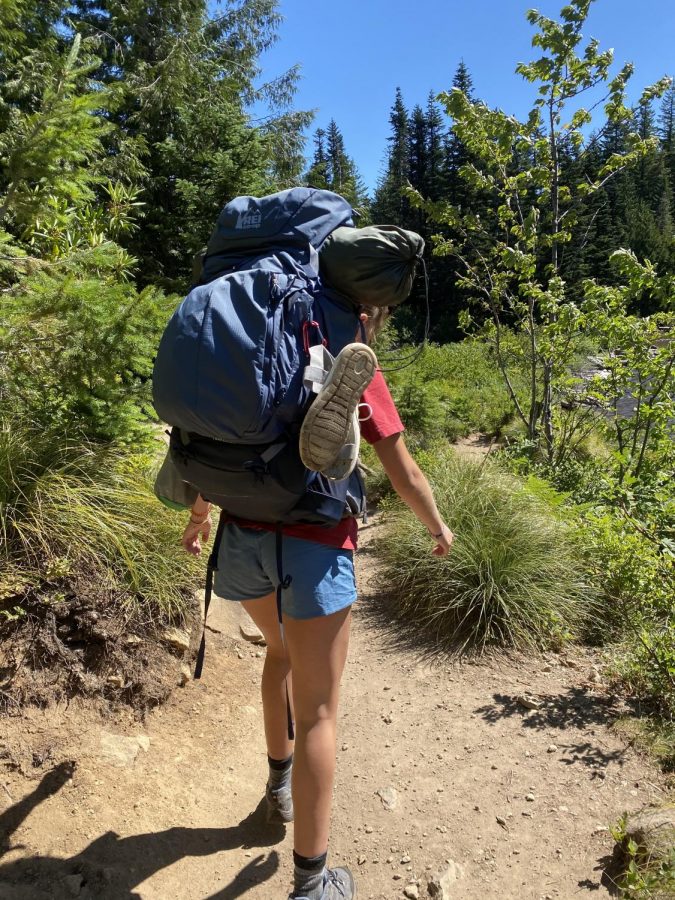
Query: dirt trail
[518, 799]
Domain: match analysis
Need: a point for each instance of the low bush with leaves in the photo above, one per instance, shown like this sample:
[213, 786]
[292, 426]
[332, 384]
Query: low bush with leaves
[450, 391]
[642, 878]
[514, 577]
[637, 578]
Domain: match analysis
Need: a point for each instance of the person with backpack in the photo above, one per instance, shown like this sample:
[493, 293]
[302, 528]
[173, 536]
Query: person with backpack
[289, 561]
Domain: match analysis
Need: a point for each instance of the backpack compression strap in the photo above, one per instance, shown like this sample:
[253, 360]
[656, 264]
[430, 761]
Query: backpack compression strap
[283, 584]
[208, 589]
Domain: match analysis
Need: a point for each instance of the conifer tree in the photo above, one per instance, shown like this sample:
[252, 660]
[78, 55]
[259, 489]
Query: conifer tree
[182, 80]
[317, 175]
[339, 165]
[666, 131]
[332, 168]
[456, 189]
[54, 150]
[434, 126]
[389, 205]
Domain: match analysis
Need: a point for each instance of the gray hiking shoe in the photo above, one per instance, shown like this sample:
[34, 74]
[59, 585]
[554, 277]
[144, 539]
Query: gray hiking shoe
[338, 885]
[279, 805]
[329, 441]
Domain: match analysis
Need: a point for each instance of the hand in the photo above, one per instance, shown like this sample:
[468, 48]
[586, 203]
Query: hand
[444, 542]
[190, 540]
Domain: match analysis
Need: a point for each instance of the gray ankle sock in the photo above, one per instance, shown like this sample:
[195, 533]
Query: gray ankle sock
[308, 876]
[280, 773]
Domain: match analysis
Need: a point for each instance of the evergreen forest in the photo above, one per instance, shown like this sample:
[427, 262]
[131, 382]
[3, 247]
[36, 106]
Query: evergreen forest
[124, 128]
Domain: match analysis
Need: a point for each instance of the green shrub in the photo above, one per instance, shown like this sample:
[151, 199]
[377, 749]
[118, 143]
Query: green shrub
[513, 577]
[637, 579]
[77, 344]
[69, 509]
[452, 390]
[643, 878]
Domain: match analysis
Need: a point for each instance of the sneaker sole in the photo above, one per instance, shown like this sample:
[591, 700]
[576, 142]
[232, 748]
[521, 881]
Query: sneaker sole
[325, 429]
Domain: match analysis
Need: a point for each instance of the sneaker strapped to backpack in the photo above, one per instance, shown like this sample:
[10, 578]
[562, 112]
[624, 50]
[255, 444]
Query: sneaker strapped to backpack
[329, 435]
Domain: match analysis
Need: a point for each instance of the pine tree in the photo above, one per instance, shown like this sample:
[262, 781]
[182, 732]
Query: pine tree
[455, 188]
[418, 149]
[389, 205]
[332, 168]
[339, 165]
[182, 82]
[317, 175]
[54, 151]
[666, 130]
[434, 125]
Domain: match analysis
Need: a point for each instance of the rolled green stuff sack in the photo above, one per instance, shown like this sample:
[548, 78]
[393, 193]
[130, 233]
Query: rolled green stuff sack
[372, 266]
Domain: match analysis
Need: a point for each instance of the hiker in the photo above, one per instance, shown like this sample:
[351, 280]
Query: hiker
[266, 374]
[318, 562]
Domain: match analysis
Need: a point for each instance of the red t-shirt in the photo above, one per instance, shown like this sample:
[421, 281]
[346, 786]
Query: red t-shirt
[384, 422]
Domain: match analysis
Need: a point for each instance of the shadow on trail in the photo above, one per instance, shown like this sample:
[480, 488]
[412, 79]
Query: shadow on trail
[577, 708]
[112, 866]
[574, 709]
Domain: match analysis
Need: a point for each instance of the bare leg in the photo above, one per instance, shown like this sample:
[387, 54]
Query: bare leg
[275, 671]
[318, 651]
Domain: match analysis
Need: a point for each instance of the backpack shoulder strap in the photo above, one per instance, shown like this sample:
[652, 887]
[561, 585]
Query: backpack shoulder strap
[208, 590]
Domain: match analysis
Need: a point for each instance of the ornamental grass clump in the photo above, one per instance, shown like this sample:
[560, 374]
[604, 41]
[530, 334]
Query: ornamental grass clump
[513, 577]
[70, 511]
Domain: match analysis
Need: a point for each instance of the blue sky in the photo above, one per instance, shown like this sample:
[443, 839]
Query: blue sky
[354, 53]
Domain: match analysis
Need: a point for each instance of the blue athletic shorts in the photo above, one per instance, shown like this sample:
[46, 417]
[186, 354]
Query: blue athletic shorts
[321, 578]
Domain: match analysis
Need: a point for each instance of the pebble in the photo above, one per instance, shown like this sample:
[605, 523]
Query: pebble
[251, 633]
[528, 702]
[179, 640]
[412, 892]
[369, 829]
[552, 748]
[405, 859]
[388, 796]
[529, 798]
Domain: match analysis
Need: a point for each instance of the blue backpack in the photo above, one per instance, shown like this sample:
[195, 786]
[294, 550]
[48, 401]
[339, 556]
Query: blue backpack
[229, 372]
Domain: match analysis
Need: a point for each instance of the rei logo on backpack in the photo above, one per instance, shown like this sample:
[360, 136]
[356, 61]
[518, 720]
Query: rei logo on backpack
[229, 370]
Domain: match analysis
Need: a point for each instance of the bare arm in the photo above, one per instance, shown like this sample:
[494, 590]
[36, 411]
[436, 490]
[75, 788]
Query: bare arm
[411, 485]
[199, 524]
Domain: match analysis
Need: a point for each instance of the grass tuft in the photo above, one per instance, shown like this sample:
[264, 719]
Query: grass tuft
[69, 509]
[512, 579]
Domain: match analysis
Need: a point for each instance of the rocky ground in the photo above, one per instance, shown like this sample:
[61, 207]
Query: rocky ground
[492, 780]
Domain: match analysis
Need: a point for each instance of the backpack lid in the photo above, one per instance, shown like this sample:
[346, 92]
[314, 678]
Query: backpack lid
[373, 266]
[296, 217]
